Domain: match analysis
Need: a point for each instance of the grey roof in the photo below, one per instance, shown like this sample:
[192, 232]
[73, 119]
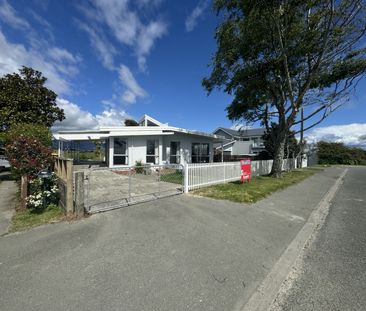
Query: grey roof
[243, 132]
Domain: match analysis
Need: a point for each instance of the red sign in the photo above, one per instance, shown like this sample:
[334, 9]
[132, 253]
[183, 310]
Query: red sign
[245, 170]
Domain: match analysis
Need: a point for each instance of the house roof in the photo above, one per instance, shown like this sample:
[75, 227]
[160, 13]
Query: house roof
[242, 133]
[150, 121]
[143, 129]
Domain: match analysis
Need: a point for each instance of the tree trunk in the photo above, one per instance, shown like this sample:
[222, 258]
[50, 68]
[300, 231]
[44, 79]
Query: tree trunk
[279, 154]
[23, 191]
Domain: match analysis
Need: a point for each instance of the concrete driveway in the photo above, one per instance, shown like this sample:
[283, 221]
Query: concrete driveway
[107, 188]
[177, 253]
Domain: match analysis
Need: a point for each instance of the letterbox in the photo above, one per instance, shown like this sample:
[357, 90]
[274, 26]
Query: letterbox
[245, 170]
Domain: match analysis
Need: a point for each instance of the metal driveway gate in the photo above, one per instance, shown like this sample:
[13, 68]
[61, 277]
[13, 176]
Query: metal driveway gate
[110, 188]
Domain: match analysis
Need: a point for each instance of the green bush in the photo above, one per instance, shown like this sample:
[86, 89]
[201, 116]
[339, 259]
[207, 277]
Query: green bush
[338, 153]
[139, 167]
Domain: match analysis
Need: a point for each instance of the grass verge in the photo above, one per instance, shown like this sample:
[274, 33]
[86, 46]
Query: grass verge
[258, 188]
[23, 220]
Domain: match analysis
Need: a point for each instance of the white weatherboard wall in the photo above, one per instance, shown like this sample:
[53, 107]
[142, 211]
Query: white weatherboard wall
[186, 142]
[137, 147]
[205, 174]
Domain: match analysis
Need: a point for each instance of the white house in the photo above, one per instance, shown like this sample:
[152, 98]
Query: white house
[150, 142]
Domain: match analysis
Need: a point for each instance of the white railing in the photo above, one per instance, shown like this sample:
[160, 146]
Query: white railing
[206, 174]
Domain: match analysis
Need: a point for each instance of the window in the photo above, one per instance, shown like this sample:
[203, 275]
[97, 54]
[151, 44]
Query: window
[174, 152]
[200, 153]
[152, 151]
[120, 156]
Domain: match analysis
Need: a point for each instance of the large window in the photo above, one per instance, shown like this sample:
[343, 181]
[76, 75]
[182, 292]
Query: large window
[200, 153]
[174, 152]
[152, 151]
[120, 156]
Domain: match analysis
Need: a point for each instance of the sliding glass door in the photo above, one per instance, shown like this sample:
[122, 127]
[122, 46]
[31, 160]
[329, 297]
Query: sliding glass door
[120, 156]
[152, 151]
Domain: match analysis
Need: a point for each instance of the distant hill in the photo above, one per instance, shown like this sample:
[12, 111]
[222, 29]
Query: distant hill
[77, 145]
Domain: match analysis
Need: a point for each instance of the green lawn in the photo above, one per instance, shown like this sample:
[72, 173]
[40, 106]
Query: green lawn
[27, 219]
[175, 178]
[258, 188]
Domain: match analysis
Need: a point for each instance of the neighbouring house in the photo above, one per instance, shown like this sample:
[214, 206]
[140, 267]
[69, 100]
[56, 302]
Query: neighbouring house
[243, 142]
[149, 142]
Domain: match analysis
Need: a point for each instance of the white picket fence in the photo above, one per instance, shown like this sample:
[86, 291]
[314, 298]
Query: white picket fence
[206, 174]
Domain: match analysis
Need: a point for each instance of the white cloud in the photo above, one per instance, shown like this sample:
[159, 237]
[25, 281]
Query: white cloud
[148, 3]
[75, 117]
[350, 134]
[46, 26]
[132, 89]
[57, 64]
[79, 119]
[9, 16]
[146, 40]
[14, 56]
[191, 20]
[126, 25]
[104, 49]
[60, 55]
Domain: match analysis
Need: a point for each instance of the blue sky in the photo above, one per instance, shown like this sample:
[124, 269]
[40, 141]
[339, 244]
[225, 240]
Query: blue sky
[111, 59]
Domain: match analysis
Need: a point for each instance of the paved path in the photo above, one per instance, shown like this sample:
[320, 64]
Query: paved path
[178, 253]
[334, 267]
[8, 191]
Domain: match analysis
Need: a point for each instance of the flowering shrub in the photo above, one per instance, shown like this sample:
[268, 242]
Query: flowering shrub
[43, 192]
[27, 155]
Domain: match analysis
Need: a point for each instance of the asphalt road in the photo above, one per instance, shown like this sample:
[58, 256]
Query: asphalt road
[178, 253]
[334, 267]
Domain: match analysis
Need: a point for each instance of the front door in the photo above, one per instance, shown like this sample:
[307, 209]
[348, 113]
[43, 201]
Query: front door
[152, 151]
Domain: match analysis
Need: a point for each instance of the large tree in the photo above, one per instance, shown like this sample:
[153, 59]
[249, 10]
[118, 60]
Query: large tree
[25, 99]
[292, 145]
[277, 58]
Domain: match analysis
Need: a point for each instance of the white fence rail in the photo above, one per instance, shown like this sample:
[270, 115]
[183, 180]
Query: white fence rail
[206, 174]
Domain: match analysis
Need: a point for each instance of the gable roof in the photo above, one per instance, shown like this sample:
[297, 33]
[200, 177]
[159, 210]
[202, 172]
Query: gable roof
[242, 133]
[231, 132]
[145, 120]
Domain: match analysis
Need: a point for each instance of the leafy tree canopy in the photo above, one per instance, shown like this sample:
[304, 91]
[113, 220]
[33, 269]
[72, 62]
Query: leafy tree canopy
[25, 99]
[278, 57]
[37, 132]
[131, 122]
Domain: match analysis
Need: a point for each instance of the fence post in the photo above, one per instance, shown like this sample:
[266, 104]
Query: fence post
[69, 184]
[186, 169]
[79, 194]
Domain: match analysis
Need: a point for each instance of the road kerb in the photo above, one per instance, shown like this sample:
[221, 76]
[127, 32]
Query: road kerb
[284, 271]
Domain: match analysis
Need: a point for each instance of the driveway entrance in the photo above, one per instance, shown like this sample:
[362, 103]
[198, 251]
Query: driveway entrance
[110, 188]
